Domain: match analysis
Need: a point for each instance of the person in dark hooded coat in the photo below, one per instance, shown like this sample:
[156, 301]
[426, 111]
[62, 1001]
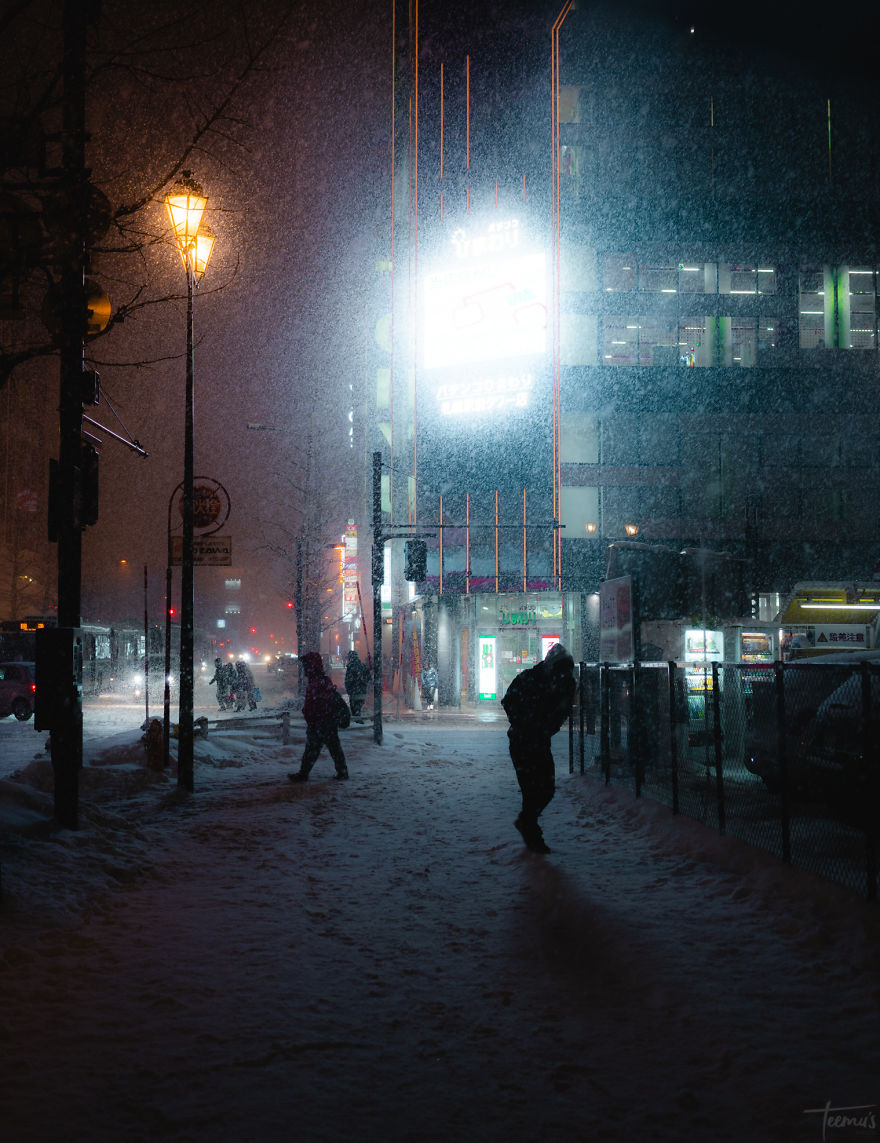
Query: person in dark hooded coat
[357, 675]
[322, 728]
[537, 703]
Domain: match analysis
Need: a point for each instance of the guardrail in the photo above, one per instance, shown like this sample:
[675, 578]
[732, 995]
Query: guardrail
[784, 756]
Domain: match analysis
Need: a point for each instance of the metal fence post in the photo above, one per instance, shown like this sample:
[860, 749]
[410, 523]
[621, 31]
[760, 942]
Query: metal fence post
[673, 734]
[571, 743]
[581, 712]
[604, 720]
[779, 681]
[870, 761]
[716, 737]
[633, 743]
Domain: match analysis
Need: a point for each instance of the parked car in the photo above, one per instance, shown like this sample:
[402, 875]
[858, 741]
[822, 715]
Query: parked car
[17, 690]
[823, 730]
[287, 666]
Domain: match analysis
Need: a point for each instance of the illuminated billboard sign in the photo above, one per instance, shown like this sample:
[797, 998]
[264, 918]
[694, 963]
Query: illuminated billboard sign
[350, 570]
[488, 303]
[504, 391]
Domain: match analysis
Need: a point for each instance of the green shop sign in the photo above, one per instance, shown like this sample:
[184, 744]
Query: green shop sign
[519, 618]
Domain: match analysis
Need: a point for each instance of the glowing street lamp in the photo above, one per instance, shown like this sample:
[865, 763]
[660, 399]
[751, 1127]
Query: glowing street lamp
[186, 204]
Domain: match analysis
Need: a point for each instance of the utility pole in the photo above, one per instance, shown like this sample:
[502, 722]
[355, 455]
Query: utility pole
[378, 576]
[66, 490]
[298, 603]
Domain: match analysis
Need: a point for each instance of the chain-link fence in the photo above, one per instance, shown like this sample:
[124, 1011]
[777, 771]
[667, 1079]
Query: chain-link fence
[784, 756]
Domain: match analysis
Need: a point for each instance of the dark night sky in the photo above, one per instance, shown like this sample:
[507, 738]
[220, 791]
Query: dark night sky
[296, 189]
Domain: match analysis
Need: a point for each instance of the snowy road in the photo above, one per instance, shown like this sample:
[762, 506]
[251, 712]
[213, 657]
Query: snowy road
[381, 960]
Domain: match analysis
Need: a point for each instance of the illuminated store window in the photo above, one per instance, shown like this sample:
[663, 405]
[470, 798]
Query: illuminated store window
[858, 304]
[734, 278]
[744, 341]
[766, 279]
[768, 333]
[658, 279]
[697, 277]
[812, 299]
[695, 340]
[620, 341]
[618, 272]
[658, 341]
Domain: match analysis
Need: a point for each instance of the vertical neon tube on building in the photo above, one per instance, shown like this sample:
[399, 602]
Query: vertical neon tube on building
[525, 565]
[467, 145]
[496, 541]
[393, 172]
[712, 148]
[441, 120]
[441, 544]
[467, 543]
[415, 296]
[556, 272]
[467, 131]
[829, 140]
[442, 129]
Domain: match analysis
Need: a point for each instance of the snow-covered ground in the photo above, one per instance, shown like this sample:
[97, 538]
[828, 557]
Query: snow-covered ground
[380, 959]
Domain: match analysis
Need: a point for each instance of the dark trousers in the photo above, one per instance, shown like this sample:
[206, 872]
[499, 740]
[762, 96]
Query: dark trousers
[322, 734]
[533, 762]
[356, 702]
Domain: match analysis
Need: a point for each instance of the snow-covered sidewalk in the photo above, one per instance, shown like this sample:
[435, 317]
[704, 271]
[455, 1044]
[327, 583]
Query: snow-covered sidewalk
[380, 959]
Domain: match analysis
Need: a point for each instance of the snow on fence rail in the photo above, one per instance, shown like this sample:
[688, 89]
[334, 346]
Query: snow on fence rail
[784, 756]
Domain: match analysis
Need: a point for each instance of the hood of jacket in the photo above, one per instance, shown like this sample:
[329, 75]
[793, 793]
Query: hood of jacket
[312, 663]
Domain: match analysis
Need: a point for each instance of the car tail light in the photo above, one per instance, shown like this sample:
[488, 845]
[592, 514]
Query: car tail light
[33, 688]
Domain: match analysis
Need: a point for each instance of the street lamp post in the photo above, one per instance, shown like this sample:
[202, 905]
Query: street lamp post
[185, 205]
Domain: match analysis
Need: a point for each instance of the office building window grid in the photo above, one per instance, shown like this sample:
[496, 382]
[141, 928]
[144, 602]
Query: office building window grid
[836, 308]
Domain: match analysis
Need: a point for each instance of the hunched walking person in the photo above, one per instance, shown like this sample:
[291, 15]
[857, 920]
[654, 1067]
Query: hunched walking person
[322, 728]
[537, 703]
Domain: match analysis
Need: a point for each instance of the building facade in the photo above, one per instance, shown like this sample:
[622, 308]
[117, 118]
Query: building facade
[643, 306]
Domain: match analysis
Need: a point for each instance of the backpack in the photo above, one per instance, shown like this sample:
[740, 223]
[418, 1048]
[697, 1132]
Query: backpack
[341, 713]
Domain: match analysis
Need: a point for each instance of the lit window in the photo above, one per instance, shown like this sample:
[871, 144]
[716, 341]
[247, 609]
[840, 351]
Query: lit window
[618, 272]
[811, 307]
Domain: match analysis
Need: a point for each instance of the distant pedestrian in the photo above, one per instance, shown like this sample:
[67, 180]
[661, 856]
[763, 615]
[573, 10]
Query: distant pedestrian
[222, 678]
[357, 676]
[243, 686]
[537, 702]
[429, 682]
[319, 711]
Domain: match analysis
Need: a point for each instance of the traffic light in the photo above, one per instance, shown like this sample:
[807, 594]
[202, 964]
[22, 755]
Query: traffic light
[88, 486]
[91, 387]
[416, 560]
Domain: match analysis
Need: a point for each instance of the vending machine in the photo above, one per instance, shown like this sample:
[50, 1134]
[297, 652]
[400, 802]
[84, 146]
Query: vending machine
[702, 648]
[487, 684]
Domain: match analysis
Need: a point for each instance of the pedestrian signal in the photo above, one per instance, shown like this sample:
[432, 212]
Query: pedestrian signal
[416, 560]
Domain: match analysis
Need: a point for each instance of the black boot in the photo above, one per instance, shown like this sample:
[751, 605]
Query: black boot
[531, 835]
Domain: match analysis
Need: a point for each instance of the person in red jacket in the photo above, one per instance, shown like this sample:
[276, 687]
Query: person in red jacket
[537, 703]
[322, 728]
